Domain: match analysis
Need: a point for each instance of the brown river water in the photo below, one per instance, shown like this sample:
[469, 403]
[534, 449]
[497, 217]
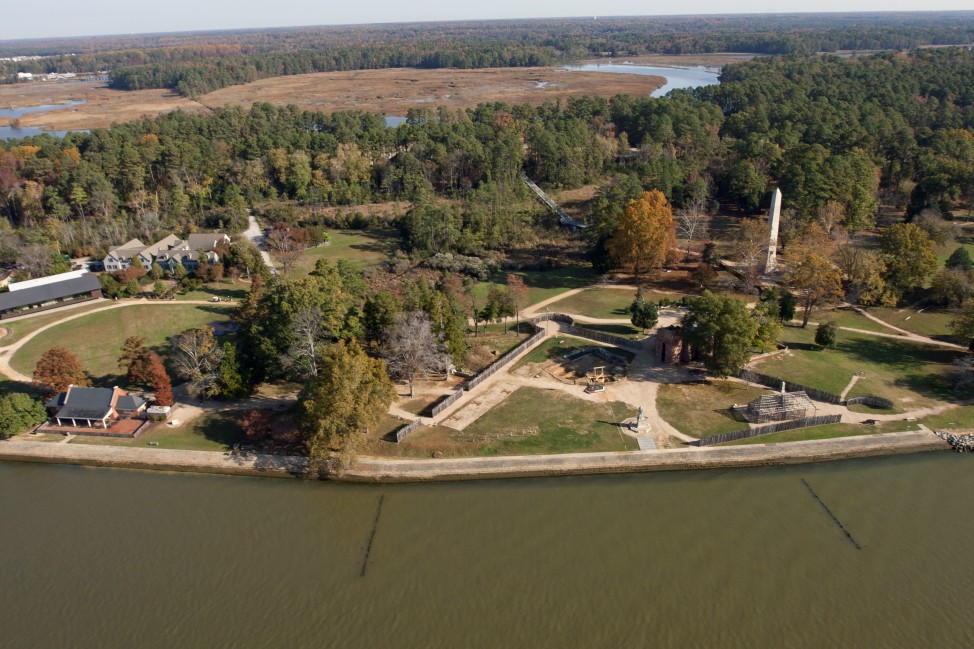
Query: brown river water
[865, 553]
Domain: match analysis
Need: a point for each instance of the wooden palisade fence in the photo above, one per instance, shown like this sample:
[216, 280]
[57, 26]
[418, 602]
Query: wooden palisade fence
[770, 428]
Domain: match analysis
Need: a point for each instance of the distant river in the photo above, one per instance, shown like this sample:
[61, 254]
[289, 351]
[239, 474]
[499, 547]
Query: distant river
[675, 77]
[106, 559]
[24, 131]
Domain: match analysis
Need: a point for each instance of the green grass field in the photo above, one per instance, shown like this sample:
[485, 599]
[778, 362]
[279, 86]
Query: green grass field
[830, 431]
[20, 328]
[532, 420]
[702, 409]
[361, 247]
[955, 419]
[605, 302]
[933, 323]
[96, 339]
[215, 431]
[912, 375]
[846, 318]
[542, 284]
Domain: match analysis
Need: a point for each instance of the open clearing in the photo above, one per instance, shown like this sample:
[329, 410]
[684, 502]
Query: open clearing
[360, 247]
[702, 409]
[532, 421]
[96, 339]
[390, 91]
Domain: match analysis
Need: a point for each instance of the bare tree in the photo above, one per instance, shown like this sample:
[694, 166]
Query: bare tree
[285, 247]
[751, 249]
[309, 331]
[691, 223]
[35, 260]
[411, 348]
[197, 356]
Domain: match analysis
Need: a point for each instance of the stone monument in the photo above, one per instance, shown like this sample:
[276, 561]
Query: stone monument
[640, 425]
[774, 218]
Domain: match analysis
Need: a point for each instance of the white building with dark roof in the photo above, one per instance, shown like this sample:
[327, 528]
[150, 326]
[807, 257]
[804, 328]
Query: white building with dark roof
[168, 252]
[48, 293]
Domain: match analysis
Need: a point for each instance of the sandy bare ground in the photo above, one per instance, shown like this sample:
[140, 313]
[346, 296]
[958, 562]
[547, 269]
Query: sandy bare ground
[394, 91]
[102, 106]
[390, 91]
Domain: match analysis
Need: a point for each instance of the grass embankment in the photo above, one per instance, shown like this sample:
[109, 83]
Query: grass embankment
[531, 421]
[542, 284]
[830, 431]
[911, 375]
[361, 247]
[956, 419]
[606, 302]
[215, 431]
[702, 409]
[96, 339]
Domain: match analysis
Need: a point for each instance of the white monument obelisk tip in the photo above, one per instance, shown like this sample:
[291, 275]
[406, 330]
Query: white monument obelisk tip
[774, 217]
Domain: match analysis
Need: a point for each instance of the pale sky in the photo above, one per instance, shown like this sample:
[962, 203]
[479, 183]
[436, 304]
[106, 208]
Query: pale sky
[49, 18]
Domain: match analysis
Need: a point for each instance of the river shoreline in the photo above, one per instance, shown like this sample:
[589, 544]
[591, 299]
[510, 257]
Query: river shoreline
[389, 470]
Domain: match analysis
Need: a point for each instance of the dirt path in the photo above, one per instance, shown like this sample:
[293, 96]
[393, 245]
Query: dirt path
[255, 234]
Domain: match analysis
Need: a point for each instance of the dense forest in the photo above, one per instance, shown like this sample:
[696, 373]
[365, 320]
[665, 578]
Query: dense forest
[890, 128]
[194, 64]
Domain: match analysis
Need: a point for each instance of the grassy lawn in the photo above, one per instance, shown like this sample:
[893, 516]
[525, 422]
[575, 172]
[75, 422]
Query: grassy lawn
[234, 291]
[485, 349]
[361, 247]
[17, 329]
[829, 431]
[623, 330]
[532, 421]
[933, 323]
[845, 318]
[911, 375]
[557, 347]
[606, 302]
[956, 419]
[97, 338]
[702, 409]
[214, 431]
[542, 284]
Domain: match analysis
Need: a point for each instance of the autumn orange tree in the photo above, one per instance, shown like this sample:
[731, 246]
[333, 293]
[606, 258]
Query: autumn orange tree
[159, 379]
[58, 368]
[645, 235]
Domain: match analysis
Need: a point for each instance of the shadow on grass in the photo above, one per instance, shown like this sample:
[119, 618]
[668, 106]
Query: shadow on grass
[920, 368]
[224, 428]
[614, 329]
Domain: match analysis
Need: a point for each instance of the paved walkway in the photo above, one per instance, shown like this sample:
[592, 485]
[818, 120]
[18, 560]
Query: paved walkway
[255, 234]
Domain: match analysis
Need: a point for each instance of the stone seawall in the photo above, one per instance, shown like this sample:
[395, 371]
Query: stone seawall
[376, 469]
[394, 470]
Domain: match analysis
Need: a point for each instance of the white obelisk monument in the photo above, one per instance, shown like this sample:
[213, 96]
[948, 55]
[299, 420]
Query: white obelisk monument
[774, 217]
